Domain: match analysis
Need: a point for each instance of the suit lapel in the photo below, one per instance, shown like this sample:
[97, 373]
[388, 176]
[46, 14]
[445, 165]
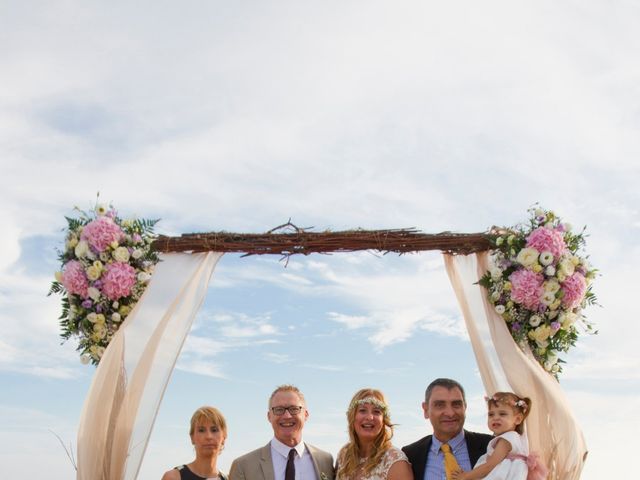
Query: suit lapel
[266, 463]
[423, 455]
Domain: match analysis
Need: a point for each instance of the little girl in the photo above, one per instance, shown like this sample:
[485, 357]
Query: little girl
[507, 456]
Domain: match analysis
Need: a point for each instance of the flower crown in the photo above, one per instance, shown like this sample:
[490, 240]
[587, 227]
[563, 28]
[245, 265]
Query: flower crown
[371, 401]
[506, 400]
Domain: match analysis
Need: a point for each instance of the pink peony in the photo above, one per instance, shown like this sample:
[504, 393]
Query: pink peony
[74, 279]
[118, 279]
[547, 240]
[526, 288]
[100, 232]
[574, 288]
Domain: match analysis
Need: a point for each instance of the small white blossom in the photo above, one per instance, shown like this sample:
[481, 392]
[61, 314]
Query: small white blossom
[546, 258]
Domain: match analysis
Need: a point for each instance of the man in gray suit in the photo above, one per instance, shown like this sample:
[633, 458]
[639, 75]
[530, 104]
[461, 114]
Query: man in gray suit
[286, 456]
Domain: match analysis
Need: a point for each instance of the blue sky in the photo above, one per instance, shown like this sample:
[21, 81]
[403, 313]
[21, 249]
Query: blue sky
[240, 115]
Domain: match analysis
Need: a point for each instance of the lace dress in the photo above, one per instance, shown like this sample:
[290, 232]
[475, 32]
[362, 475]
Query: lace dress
[381, 470]
[514, 467]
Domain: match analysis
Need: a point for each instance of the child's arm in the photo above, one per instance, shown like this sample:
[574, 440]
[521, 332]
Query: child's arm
[500, 452]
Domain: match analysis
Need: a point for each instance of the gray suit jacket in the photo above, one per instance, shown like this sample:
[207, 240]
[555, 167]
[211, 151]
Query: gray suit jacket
[257, 465]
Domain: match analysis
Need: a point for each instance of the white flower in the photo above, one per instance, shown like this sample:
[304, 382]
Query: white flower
[71, 243]
[144, 277]
[495, 296]
[94, 293]
[121, 254]
[555, 368]
[546, 258]
[104, 256]
[540, 335]
[99, 330]
[551, 285]
[548, 298]
[115, 304]
[116, 317]
[84, 359]
[527, 257]
[82, 249]
[93, 273]
[500, 309]
[92, 317]
[567, 267]
[137, 253]
[550, 271]
[101, 210]
[567, 319]
[535, 320]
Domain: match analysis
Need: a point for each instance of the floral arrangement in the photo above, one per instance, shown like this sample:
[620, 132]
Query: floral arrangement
[106, 265]
[539, 283]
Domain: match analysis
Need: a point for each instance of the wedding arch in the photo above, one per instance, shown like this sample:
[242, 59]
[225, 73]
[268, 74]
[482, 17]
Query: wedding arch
[133, 373]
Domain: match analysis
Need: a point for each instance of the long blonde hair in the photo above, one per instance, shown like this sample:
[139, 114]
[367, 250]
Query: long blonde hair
[349, 460]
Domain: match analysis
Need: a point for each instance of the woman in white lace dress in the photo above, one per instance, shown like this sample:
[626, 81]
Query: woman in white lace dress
[369, 454]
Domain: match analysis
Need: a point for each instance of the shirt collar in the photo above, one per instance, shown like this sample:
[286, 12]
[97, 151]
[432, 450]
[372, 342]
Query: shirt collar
[454, 443]
[283, 449]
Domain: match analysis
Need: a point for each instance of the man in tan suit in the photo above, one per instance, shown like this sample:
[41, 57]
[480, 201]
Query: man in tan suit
[286, 456]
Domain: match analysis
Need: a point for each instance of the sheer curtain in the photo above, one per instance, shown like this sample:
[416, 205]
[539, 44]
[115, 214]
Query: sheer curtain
[551, 428]
[129, 383]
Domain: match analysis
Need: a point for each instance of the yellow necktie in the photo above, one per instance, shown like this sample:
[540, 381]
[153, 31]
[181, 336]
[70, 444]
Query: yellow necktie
[450, 462]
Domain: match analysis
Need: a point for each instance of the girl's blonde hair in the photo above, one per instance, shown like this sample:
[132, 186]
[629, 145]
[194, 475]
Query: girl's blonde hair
[521, 405]
[350, 459]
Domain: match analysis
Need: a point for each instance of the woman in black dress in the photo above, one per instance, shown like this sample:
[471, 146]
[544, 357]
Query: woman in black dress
[208, 433]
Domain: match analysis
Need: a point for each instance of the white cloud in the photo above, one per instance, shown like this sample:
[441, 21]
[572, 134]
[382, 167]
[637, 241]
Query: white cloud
[205, 368]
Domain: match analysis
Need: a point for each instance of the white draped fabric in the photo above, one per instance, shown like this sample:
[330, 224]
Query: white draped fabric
[551, 427]
[129, 383]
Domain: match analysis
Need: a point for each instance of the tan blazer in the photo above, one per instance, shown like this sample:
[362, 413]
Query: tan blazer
[257, 465]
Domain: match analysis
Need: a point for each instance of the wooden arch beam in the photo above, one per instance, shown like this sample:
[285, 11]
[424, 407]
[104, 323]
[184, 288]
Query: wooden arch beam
[301, 241]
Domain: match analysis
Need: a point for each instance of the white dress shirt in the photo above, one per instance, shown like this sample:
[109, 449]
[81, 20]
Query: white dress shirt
[305, 470]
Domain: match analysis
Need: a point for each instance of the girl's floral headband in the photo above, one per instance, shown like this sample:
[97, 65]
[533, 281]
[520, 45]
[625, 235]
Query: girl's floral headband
[506, 400]
[371, 401]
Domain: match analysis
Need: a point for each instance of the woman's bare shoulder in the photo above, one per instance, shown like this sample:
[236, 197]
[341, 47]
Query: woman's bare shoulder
[172, 474]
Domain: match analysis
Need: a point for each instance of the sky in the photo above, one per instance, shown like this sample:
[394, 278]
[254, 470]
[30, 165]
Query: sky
[238, 116]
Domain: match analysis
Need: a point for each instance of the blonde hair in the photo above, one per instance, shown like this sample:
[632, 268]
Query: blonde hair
[211, 414]
[521, 405]
[350, 458]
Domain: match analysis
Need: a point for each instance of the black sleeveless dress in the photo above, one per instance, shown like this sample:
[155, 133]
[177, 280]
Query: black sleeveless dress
[186, 474]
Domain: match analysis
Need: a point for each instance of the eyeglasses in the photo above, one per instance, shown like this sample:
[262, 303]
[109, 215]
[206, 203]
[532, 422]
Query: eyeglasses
[293, 410]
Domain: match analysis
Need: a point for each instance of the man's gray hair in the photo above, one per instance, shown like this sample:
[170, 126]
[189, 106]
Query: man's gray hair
[288, 388]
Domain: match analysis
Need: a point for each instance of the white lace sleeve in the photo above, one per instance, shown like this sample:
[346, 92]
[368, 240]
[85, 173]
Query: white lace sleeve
[392, 456]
